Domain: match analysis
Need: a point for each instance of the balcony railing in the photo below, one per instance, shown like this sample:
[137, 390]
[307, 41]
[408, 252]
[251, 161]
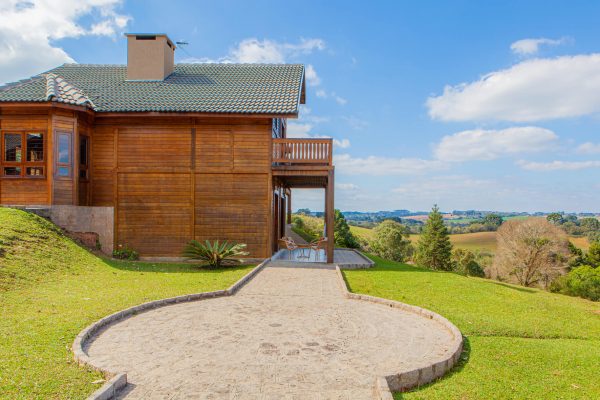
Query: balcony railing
[303, 151]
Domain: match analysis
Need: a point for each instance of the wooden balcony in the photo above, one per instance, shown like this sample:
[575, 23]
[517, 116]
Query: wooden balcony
[303, 152]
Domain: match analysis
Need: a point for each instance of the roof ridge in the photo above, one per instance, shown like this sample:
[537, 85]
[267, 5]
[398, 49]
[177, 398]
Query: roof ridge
[59, 90]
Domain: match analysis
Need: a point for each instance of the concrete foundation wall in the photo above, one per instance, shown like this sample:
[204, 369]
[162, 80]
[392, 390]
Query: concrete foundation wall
[99, 220]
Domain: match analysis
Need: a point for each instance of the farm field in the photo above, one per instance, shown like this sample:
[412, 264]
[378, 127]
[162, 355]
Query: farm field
[485, 241]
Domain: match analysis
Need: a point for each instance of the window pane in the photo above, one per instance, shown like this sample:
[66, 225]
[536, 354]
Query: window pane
[35, 147]
[63, 171]
[12, 147]
[34, 171]
[12, 171]
[63, 148]
[83, 150]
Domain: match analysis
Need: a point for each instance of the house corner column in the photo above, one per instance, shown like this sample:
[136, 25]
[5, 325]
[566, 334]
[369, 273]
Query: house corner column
[329, 216]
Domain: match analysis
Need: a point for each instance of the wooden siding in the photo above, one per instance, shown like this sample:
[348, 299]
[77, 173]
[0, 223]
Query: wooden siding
[233, 207]
[24, 192]
[103, 166]
[154, 212]
[178, 179]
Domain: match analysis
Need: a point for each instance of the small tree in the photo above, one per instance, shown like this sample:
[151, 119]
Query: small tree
[593, 255]
[391, 241]
[465, 262]
[434, 249]
[555, 218]
[532, 251]
[343, 236]
[492, 221]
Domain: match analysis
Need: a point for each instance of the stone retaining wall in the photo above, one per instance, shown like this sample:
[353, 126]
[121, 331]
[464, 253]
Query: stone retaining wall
[405, 380]
[118, 380]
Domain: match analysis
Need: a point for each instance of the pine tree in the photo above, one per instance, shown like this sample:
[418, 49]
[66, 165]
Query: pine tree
[343, 236]
[434, 249]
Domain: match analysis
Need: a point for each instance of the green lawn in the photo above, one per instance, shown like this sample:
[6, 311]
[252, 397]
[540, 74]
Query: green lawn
[50, 289]
[521, 343]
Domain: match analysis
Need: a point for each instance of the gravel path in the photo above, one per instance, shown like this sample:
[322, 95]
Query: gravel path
[288, 334]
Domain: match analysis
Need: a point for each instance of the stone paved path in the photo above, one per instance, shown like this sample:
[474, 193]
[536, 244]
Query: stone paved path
[288, 334]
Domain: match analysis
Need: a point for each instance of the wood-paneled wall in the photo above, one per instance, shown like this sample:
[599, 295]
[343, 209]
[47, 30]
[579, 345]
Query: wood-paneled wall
[175, 179]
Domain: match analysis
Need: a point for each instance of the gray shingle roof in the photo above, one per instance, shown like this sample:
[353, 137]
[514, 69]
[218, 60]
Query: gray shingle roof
[210, 88]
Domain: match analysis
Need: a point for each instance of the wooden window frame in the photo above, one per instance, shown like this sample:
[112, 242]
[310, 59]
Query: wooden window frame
[23, 164]
[57, 163]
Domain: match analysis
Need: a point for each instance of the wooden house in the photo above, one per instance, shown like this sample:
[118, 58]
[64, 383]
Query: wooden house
[177, 151]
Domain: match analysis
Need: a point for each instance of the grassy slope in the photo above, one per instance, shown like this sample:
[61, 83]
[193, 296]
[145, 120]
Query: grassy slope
[471, 241]
[522, 343]
[50, 289]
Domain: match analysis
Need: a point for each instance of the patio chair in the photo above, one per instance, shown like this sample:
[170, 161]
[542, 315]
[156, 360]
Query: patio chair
[289, 245]
[319, 244]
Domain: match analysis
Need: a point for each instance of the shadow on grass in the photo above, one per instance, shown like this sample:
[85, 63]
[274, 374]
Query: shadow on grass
[462, 362]
[513, 287]
[160, 267]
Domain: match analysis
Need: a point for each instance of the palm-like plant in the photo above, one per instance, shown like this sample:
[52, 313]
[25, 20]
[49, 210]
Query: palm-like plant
[215, 254]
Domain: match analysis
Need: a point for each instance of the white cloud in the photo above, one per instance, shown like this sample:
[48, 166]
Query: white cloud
[538, 89]
[346, 186]
[27, 30]
[325, 95]
[532, 46]
[434, 186]
[558, 165]
[303, 130]
[491, 144]
[311, 76]
[589, 148]
[252, 51]
[381, 166]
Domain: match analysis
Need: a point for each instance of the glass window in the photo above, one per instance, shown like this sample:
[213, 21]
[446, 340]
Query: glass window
[12, 147]
[35, 147]
[34, 171]
[64, 147]
[12, 171]
[63, 171]
[83, 150]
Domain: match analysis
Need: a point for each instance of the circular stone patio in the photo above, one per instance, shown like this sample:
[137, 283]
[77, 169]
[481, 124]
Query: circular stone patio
[288, 334]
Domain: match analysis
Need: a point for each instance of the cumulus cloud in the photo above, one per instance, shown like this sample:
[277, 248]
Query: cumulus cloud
[533, 90]
[525, 47]
[481, 144]
[28, 29]
[333, 95]
[381, 166]
[303, 130]
[589, 148]
[311, 76]
[558, 165]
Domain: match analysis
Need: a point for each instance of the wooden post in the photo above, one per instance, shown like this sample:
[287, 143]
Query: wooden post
[289, 206]
[329, 217]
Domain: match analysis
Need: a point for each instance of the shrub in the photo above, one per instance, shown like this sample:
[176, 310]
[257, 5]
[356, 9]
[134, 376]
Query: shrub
[434, 249]
[391, 241]
[124, 252]
[593, 255]
[582, 281]
[215, 254]
[465, 262]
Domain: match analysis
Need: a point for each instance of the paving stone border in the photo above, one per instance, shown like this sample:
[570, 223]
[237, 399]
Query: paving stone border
[118, 380]
[405, 380]
[368, 262]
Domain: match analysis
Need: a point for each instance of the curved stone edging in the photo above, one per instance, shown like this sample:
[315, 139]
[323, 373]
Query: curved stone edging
[119, 380]
[405, 380]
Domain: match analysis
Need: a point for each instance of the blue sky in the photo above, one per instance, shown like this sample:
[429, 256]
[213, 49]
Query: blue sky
[470, 105]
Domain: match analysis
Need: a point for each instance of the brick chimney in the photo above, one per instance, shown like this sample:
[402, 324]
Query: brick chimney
[150, 56]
